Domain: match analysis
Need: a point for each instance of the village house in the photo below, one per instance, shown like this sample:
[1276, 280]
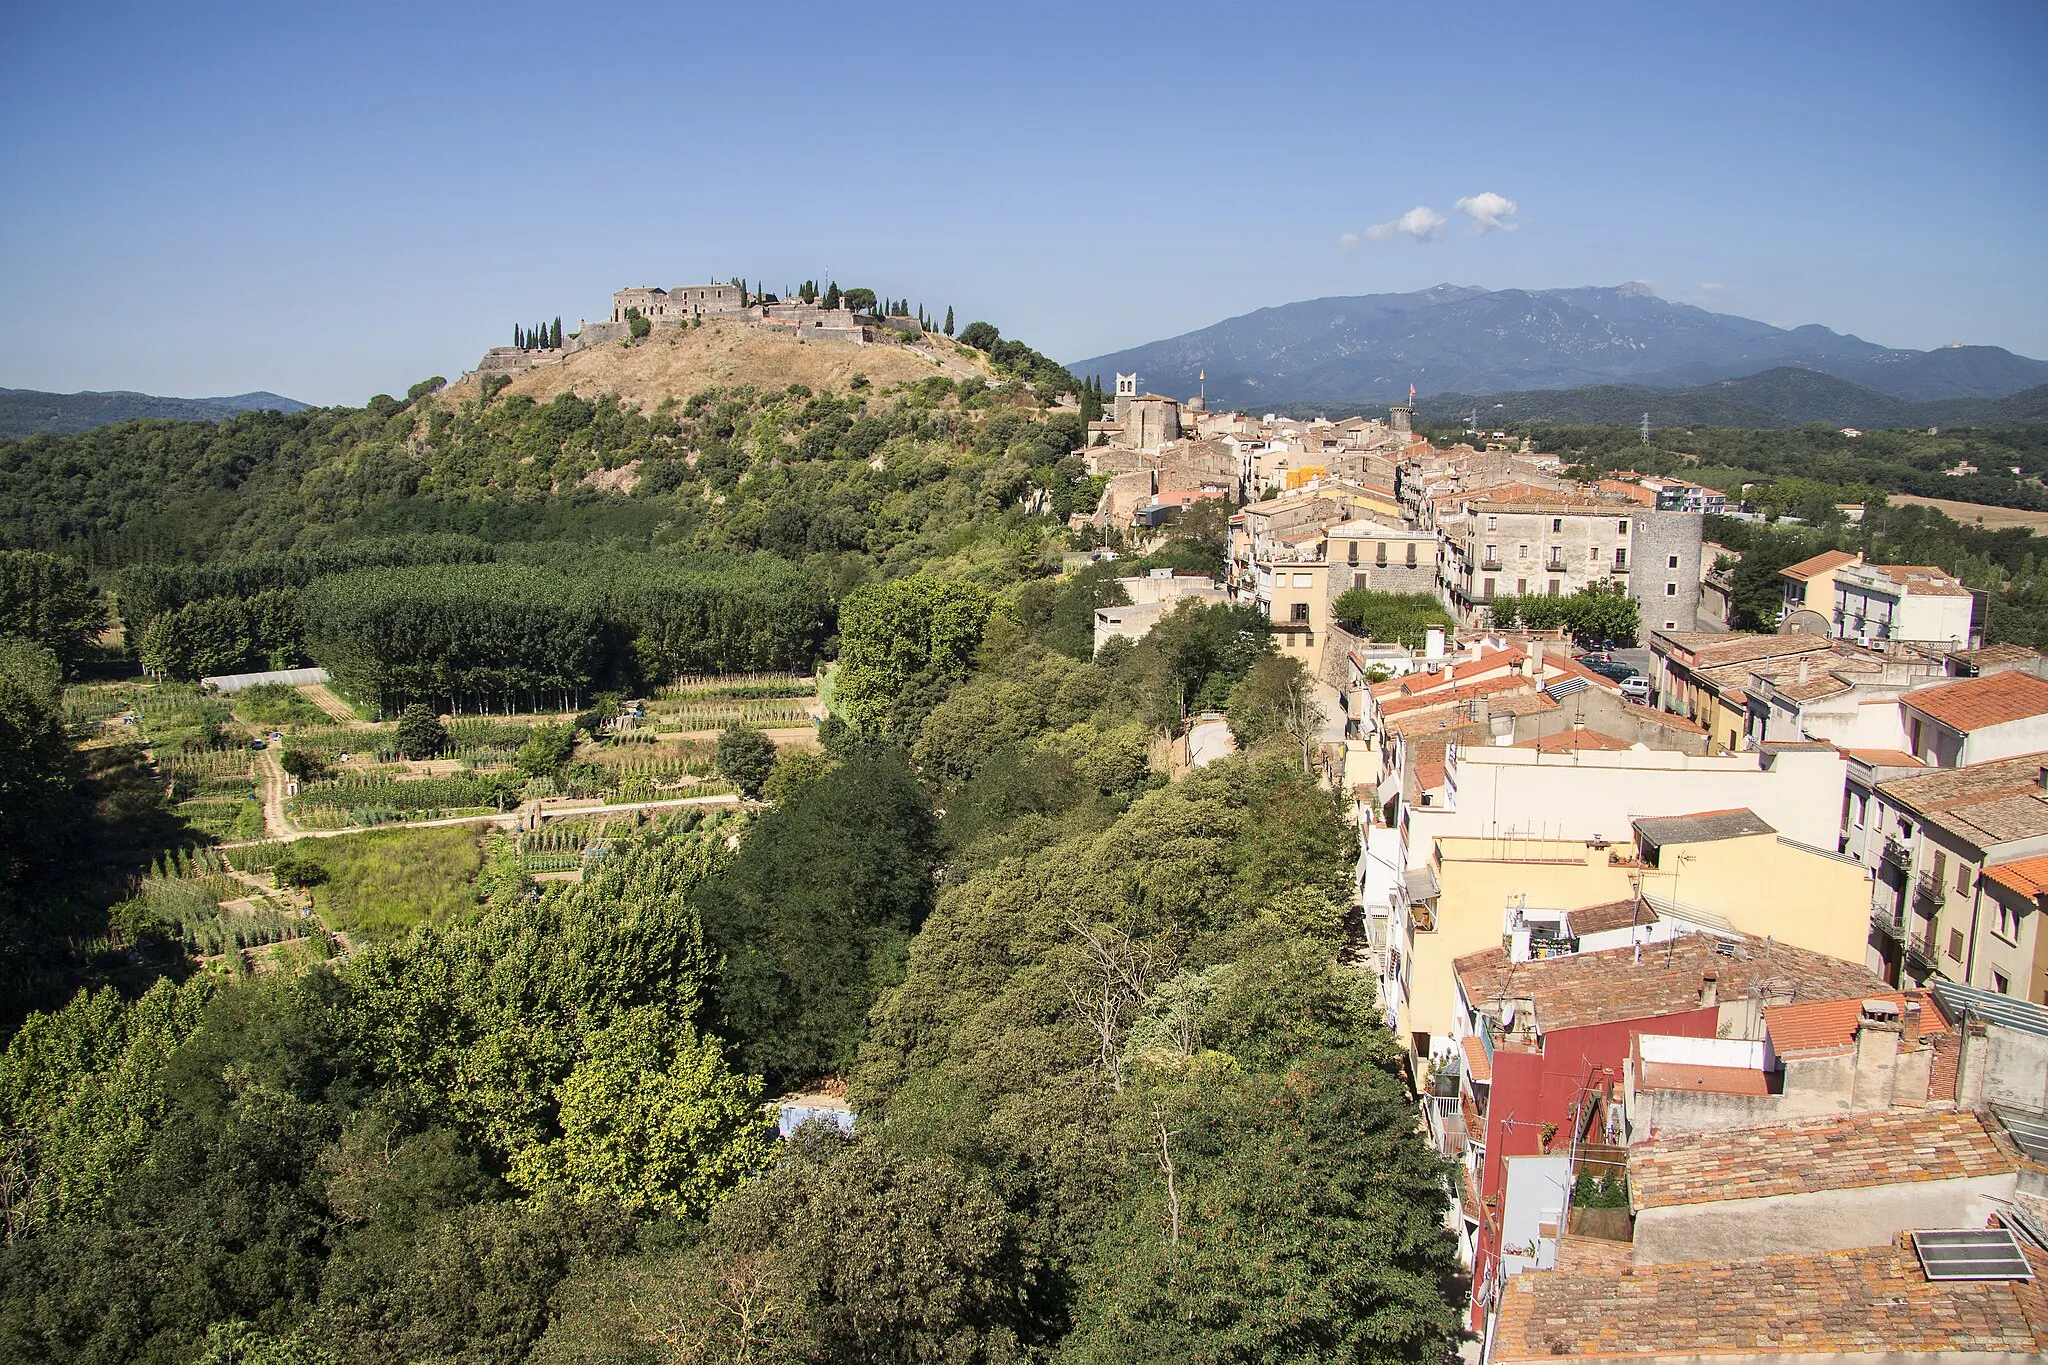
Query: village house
[1915, 602]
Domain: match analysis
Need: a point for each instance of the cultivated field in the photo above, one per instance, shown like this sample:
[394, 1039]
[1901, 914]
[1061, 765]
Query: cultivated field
[1980, 514]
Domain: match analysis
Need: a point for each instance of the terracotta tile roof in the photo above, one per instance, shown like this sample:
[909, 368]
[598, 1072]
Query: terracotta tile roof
[1824, 1025]
[1667, 719]
[1884, 758]
[1973, 703]
[1996, 654]
[1944, 789]
[1714, 1080]
[1920, 580]
[1573, 740]
[1866, 1302]
[1598, 919]
[1477, 1064]
[1821, 563]
[1704, 827]
[1447, 696]
[1722, 650]
[1611, 985]
[2028, 876]
[1580, 1254]
[1855, 1151]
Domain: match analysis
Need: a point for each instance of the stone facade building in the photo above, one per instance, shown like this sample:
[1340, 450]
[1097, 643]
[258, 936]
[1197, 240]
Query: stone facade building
[679, 304]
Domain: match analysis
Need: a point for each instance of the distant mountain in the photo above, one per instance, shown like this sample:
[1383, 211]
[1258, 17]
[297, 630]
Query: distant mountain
[27, 412]
[1785, 396]
[1458, 339]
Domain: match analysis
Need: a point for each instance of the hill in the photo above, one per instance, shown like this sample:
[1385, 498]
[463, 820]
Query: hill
[1786, 396]
[1464, 340]
[29, 412]
[679, 363]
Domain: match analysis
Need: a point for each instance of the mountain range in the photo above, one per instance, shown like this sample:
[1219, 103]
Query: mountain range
[1460, 340]
[28, 412]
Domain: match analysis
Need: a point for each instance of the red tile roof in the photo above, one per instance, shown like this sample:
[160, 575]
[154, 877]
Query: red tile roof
[1836, 1304]
[1973, 703]
[1823, 1025]
[1856, 1151]
[1821, 563]
[1477, 1064]
[1884, 758]
[1573, 740]
[2028, 876]
[1713, 1080]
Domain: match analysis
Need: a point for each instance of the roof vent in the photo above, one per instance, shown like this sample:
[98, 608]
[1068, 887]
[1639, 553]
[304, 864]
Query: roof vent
[1881, 1011]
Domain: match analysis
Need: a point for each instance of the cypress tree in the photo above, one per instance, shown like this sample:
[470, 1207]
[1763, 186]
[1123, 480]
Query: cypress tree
[949, 319]
[518, 341]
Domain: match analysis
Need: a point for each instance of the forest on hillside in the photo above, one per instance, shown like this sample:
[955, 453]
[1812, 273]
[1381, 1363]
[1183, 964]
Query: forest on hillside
[1118, 1096]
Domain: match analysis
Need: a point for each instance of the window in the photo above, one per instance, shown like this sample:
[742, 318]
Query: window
[1553, 587]
[2001, 983]
[1955, 944]
[1671, 590]
[1940, 867]
[1671, 562]
[1620, 557]
[1521, 552]
[1521, 587]
[2008, 923]
[1621, 528]
[1962, 879]
[1493, 523]
[1380, 555]
[1592, 554]
[1303, 580]
[1493, 554]
[1489, 589]
[1671, 625]
[1411, 554]
[1352, 557]
[1557, 523]
[1300, 613]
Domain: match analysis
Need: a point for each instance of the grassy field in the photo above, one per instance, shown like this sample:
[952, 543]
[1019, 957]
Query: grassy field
[1981, 514]
[384, 882]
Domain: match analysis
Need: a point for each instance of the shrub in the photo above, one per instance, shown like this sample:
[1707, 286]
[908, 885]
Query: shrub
[420, 733]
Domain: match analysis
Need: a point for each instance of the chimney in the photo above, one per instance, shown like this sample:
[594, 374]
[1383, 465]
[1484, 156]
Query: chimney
[1710, 990]
[1805, 668]
[2041, 777]
[1433, 643]
[1536, 660]
[1911, 1037]
[1878, 1033]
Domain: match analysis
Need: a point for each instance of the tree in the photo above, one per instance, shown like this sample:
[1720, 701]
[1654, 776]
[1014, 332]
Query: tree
[636, 324]
[1277, 696]
[546, 749]
[420, 733]
[949, 320]
[555, 338]
[901, 643]
[981, 336]
[37, 769]
[652, 1119]
[48, 600]
[299, 869]
[860, 300]
[833, 298]
[1391, 617]
[303, 764]
[745, 757]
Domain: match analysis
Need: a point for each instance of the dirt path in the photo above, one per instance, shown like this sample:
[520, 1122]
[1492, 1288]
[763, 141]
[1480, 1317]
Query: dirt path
[508, 819]
[276, 824]
[323, 697]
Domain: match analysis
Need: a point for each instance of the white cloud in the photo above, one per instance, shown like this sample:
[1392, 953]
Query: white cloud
[1489, 211]
[1709, 287]
[1420, 224]
[1347, 243]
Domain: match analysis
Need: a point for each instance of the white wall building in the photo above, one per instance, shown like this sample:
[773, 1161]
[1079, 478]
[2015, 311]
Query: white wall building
[1903, 602]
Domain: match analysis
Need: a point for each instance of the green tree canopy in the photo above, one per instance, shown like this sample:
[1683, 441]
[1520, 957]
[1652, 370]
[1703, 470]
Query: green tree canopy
[745, 757]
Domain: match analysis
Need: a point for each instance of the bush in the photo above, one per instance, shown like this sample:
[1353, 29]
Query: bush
[745, 758]
[297, 869]
[546, 750]
[420, 733]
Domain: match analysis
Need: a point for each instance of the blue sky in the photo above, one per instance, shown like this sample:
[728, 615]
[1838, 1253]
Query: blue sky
[332, 201]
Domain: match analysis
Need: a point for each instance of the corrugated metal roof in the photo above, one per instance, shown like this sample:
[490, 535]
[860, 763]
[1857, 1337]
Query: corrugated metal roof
[1955, 999]
[1703, 828]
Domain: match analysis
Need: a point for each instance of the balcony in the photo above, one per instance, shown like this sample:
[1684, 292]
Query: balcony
[1896, 853]
[1446, 1120]
[1890, 922]
[1491, 564]
[1927, 891]
[1920, 951]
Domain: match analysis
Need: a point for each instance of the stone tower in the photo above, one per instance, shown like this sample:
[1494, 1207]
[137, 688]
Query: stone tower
[1126, 390]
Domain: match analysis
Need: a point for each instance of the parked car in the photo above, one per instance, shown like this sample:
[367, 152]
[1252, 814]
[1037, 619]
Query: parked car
[1636, 688]
[1609, 668]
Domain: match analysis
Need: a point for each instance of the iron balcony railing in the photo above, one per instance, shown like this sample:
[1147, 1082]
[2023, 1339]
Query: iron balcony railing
[1896, 853]
[1889, 921]
[1927, 890]
[1920, 951]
